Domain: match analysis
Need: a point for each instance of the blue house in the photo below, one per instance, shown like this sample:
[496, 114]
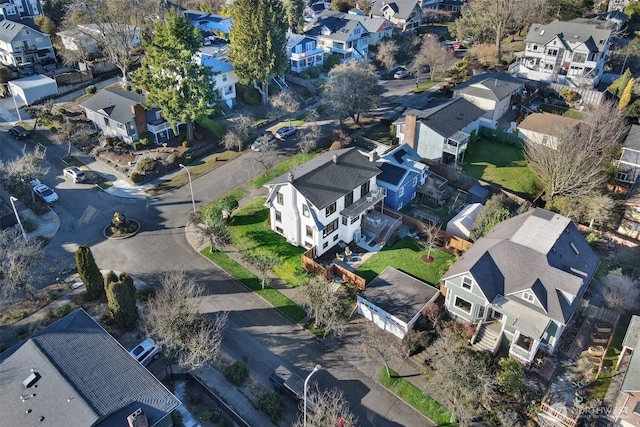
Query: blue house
[402, 174]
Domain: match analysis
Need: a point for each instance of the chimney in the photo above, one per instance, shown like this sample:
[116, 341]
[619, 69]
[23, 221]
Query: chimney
[373, 156]
[138, 419]
[410, 124]
[335, 159]
[140, 118]
[290, 177]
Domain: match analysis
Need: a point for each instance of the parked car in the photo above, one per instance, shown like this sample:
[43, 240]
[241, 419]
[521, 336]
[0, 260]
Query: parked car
[45, 193]
[74, 174]
[401, 74]
[265, 139]
[18, 132]
[285, 132]
[145, 352]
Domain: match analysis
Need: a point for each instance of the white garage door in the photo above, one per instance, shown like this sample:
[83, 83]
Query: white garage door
[381, 319]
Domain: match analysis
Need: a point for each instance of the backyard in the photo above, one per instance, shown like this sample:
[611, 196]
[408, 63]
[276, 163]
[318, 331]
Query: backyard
[501, 164]
[406, 255]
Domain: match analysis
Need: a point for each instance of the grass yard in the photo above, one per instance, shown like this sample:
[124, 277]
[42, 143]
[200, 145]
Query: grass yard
[283, 167]
[250, 280]
[250, 233]
[420, 401]
[501, 164]
[563, 111]
[380, 133]
[426, 85]
[406, 255]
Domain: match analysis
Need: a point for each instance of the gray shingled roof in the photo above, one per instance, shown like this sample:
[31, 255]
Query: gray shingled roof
[398, 294]
[631, 381]
[402, 8]
[116, 104]
[86, 378]
[495, 86]
[633, 138]
[594, 38]
[532, 251]
[449, 118]
[10, 29]
[322, 181]
[340, 28]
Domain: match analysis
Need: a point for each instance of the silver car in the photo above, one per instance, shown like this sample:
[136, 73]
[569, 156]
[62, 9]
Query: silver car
[74, 174]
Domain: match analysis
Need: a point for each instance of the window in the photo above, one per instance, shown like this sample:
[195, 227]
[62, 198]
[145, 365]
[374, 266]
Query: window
[364, 188]
[307, 244]
[106, 121]
[336, 237]
[348, 198]
[528, 296]
[330, 228]
[401, 191]
[305, 210]
[467, 282]
[280, 198]
[480, 312]
[463, 304]
[552, 52]
[579, 57]
[309, 232]
[355, 218]
[224, 77]
[574, 248]
[344, 220]
[278, 216]
[39, 39]
[279, 230]
[330, 209]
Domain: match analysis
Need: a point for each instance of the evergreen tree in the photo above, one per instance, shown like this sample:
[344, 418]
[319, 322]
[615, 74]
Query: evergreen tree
[258, 43]
[627, 94]
[89, 272]
[618, 86]
[182, 89]
[295, 10]
[121, 300]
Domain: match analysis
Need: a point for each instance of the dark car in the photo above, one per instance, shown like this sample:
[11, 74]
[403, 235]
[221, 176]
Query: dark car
[18, 132]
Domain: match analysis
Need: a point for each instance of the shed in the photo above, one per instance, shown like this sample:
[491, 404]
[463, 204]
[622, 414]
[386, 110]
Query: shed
[394, 300]
[33, 88]
[477, 194]
[460, 225]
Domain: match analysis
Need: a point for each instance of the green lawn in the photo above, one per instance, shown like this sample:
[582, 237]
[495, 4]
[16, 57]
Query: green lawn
[421, 401]
[564, 111]
[381, 133]
[501, 164]
[250, 280]
[406, 255]
[282, 168]
[250, 233]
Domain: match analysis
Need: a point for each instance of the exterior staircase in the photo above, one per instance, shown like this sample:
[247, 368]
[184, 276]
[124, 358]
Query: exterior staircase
[486, 338]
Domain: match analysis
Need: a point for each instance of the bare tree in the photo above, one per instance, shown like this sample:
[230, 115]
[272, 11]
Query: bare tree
[620, 292]
[264, 262]
[387, 51]
[114, 26]
[42, 113]
[329, 408]
[265, 158]
[174, 321]
[18, 262]
[378, 345]
[239, 133]
[433, 55]
[576, 166]
[287, 102]
[325, 305]
[16, 174]
[351, 90]
[310, 133]
[430, 235]
[68, 133]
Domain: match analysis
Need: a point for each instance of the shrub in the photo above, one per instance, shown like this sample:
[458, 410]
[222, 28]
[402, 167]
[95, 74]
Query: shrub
[109, 141]
[135, 177]
[269, 402]
[146, 138]
[212, 126]
[63, 310]
[332, 61]
[236, 373]
[138, 90]
[91, 89]
[185, 144]
[252, 96]
[197, 136]
[127, 88]
[145, 165]
[137, 145]
[592, 239]
[304, 76]
[176, 419]
[146, 293]
[89, 272]
[172, 158]
[314, 72]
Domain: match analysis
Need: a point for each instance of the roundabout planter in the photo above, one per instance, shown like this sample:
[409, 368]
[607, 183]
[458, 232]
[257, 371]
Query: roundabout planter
[130, 229]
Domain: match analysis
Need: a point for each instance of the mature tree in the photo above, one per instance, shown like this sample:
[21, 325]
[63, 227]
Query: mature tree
[599, 209]
[618, 86]
[287, 102]
[342, 5]
[55, 9]
[18, 270]
[497, 209]
[295, 10]
[309, 133]
[181, 88]
[89, 272]
[264, 159]
[351, 89]
[211, 6]
[114, 25]
[330, 408]
[67, 133]
[228, 204]
[364, 6]
[17, 174]
[258, 43]
[377, 345]
[627, 94]
[620, 292]
[42, 113]
[387, 52]
[565, 10]
[511, 378]
[121, 299]
[577, 166]
[430, 236]
[173, 320]
[633, 10]
[325, 305]
[212, 225]
[238, 133]
[264, 262]
[46, 25]
[433, 55]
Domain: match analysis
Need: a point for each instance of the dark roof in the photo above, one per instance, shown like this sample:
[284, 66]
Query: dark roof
[116, 104]
[322, 180]
[477, 194]
[391, 173]
[340, 29]
[632, 141]
[85, 378]
[495, 86]
[532, 251]
[631, 381]
[449, 118]
[398, 294]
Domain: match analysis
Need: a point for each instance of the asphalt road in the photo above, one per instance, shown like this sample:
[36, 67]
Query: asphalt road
[257, 332]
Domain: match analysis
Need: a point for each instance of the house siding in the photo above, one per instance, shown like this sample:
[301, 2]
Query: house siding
[473, 296]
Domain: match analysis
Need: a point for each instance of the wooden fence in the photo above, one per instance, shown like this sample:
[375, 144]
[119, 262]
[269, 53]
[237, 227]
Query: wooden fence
[309, 264]
[301, 82]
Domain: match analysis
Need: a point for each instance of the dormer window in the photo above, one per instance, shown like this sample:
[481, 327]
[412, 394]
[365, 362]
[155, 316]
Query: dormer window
[467, 282]
[528, 296]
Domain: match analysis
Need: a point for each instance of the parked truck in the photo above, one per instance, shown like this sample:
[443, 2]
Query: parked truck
[287, 382]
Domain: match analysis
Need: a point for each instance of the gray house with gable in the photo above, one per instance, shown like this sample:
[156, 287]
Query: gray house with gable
[522, 283]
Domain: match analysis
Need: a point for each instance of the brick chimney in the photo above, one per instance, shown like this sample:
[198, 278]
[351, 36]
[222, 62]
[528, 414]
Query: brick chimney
[410, 124]
[373, 156]
[290, 177]
[140, 118]
[138, 419]
[335, 158]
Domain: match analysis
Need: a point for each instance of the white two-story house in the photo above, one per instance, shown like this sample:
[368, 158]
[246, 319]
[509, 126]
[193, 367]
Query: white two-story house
[568, 53]
[405, 14]
[224, 77]
[323, 201]
[344, 37]
[22, 45]
[303, 52]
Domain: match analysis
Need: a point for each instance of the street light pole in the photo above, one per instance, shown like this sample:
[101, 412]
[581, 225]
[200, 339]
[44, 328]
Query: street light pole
[13, 199]
[193, 202]
[316, 369]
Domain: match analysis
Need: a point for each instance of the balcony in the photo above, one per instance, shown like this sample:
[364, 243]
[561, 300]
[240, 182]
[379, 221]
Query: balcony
[363, 203]
[308, 53]
[158, 126]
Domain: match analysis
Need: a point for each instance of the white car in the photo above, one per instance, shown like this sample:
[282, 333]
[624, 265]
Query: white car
[285, 132]
[145, 352]
[263, 140]
[74, 174]
[401, 74]
[45, 193]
